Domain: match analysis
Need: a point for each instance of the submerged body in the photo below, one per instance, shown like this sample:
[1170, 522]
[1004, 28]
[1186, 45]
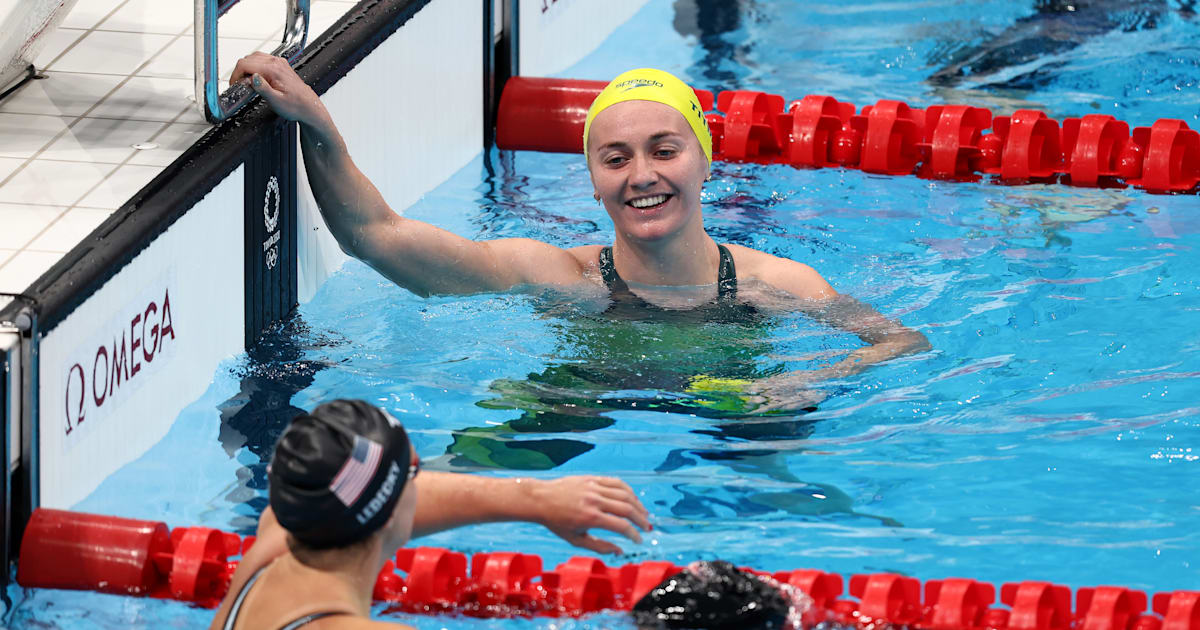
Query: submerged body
[621, 353]
[1027, 54]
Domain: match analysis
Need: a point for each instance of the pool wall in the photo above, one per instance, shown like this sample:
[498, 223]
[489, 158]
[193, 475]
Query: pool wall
[556, 34]
[128, 328]
[117, 369]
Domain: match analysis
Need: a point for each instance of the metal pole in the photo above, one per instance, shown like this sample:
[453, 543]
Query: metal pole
[490, 91]
[10, 409]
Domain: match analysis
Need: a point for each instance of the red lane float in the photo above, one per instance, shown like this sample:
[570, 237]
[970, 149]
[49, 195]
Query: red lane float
[1030, 142]
[82, 551]
[816, 129]
[114, 555]
[545, 114]
[549, 114]
[751, 126]
[951, 149]
[957, 603]
[71, 550]
[945, 142]
[1098, 146]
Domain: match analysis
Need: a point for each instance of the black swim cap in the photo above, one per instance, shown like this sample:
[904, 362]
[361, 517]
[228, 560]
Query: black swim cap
[338, 472]
[719, 596]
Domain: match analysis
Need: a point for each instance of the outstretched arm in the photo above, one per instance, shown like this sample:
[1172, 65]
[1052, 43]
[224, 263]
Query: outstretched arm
[887, 339]
[568, 506]
[808, 292]
[417, 256]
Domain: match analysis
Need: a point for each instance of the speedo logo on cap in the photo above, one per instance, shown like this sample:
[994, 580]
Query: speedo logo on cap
[699, 114]
[625, 86]
[381, 497]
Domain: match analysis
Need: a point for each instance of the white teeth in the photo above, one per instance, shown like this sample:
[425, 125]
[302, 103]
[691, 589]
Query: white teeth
[646, 202]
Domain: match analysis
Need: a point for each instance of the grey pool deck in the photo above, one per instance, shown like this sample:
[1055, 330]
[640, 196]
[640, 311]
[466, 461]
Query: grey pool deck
[118, 73]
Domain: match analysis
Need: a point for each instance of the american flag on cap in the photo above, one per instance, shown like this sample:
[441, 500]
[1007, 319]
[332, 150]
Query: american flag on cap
[358, 470]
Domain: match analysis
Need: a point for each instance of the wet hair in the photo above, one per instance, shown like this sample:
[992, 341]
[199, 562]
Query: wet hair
[719, 596]
[337, 473]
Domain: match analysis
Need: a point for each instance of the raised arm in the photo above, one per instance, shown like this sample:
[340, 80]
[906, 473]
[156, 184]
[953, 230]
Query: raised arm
[568, 506]
[417, 256]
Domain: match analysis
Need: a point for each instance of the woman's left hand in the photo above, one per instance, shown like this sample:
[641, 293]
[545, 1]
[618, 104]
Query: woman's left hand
[789, 391]
[570, 506]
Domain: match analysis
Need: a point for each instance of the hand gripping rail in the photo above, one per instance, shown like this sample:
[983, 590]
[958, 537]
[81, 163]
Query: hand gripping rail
[220, 106]
[194, 564]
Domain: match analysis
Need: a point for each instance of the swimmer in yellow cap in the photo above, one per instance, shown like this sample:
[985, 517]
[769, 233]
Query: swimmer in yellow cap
[649, 152]
[655, 86]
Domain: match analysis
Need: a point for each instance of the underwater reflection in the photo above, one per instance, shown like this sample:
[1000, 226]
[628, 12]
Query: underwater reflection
[695, 367]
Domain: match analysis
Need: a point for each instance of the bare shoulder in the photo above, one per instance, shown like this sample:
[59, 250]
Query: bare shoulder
[784, 274]
[270, 543]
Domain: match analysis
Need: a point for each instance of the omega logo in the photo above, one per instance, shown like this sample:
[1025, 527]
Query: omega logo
[92, 382]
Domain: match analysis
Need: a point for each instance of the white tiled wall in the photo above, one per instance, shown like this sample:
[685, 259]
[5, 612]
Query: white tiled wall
[118, 73]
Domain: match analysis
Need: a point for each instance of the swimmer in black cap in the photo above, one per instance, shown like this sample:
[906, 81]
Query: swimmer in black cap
[719, 596]
[344, 496]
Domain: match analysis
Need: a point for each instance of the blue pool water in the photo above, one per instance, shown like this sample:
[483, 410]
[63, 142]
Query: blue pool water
[1051, 433]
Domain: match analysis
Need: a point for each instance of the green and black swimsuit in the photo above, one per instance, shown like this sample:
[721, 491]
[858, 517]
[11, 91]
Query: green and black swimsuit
[633, 356]
[725, 308]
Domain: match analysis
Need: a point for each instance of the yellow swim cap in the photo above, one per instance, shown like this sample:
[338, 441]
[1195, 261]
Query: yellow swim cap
[648, 84]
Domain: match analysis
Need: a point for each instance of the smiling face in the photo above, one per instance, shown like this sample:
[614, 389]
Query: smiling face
[647, 168]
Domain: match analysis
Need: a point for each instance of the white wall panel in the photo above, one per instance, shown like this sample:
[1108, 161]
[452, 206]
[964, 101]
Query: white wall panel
[317, 253]
[555, 34]
[93, 422]
[411, 114]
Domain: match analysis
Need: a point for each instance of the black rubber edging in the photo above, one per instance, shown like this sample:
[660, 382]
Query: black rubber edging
[170, 195]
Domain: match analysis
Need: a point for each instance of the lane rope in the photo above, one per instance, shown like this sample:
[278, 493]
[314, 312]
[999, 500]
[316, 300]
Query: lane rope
[72, 550]
[940, 142]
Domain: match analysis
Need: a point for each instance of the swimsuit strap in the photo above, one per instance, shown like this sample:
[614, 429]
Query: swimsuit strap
[608, 271]
[241, 597]
[726, 274]
[311, 618]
